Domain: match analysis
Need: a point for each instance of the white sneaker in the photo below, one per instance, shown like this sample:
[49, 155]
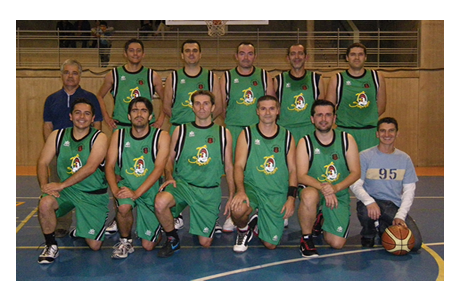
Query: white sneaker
[242, 240]
[122, 248]
[179, 223]
[286, 223]
[112, 228]
[228, 225]
[49, 254]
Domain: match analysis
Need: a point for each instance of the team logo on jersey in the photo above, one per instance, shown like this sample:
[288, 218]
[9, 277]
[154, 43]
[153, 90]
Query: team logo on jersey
[331, 174]
[361, 101]
[299, 103]
[134, 93]
[139, 168]
[269, 166]
[248, 98]
[202, 157]
[188, 102]
[75, 164]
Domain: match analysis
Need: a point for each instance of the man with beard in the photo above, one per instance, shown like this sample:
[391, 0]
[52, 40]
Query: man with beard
[140, 153]
[327, 164]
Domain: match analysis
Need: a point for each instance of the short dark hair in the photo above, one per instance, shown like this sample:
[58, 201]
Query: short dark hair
[289, 48]
[267, 97]
[247, 44]
[190, 42]
[84, 101]
[203, 92]
[388, 120]
[133, 40]
[356, 45]
[144, 100]
[321, 103]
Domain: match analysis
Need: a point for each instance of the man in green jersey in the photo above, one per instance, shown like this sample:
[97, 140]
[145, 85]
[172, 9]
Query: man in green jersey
[265, 178]
[140, 153]
[200, 153]
[80, 152]
[296, 90]
[360, 96]
[327, 164]
[128, 82]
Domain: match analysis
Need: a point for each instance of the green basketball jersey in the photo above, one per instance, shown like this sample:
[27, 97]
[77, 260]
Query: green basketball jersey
[183, 88]
[328, 163]
[296, 96]
[200, 154]
[136, 156]
[242, 94]
[266, 166]
[127, 86]
[357, 100]
[73, 154]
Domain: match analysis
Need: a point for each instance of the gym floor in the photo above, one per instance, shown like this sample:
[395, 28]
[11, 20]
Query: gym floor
[219, 263]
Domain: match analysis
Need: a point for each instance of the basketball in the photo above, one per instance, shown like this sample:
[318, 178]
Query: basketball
[398, 240]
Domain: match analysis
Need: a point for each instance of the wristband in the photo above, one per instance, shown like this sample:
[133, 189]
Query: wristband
[292, 191]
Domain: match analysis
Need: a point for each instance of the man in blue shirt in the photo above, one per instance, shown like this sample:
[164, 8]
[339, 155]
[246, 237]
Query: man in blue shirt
[56, 116]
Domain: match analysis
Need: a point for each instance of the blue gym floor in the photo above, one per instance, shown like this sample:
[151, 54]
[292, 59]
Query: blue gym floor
[219, 263]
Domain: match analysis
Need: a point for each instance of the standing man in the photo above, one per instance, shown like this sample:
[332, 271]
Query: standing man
[296, 90]
[200, 153]
[360, 96]
[181, 84]
[128, 82]
[140, 152]
[327, 164]
[56, 116]
[386, 188]
[265, 178]
[80, 152]
[241, 87]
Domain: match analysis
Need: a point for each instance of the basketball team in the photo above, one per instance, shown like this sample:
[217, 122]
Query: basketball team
[285, 138]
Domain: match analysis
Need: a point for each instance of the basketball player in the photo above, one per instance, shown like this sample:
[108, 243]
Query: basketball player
[128, 82]
[56, 116]
[386, 188]
[179, 87]
[360, 96]
[140, 152]
[80, 152]
[200, 153]
[327, 164]
[296, 90]
[265, 178]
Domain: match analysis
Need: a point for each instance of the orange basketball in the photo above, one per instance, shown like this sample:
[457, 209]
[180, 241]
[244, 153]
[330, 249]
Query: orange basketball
[398, 240]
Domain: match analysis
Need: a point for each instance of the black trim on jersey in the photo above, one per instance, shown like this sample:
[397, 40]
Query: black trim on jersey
[339, 91]
[309, 149]
[121, 141]
[315, 78]
[271, 137]
[156, 144]
[180, 141]
[151, 84]
[114, 90]
[174, 86]
[227, 85]
[248, 135]
[288, 144]
[264, 79]
[175, 77]
[223, 142]
[345, 144]
[375, 79]
[58, 141]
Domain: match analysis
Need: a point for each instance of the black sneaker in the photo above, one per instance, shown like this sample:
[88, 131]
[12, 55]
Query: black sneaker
[367, 242]
[318, 226]
[307, 247]
[172, 245]
[49, 254]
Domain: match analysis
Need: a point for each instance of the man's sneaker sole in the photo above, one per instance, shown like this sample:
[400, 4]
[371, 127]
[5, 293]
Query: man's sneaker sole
[48, 259]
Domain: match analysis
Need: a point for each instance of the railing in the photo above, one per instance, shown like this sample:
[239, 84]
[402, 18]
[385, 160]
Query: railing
[326, 49]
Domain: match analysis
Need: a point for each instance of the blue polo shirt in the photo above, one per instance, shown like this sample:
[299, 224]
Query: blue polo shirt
[57, 107]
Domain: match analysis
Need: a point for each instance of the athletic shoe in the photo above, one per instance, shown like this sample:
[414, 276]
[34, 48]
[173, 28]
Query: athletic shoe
[367, 242]
[73, 232]
[218, 228]
[49, 254]
[228, 225]
[172, 245]
[122, 248]
[318, 226]
[286, 223]
[242, 240]
[112, 228]
[179, 223]
[253, 224]
[307, 247]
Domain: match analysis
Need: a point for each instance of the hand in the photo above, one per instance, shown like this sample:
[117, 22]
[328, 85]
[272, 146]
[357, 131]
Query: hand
[401, 222]
[238, 200]
[52, 189]
[124, 193]
[228, 206]
[288, 207]
[373, 211]
[328, 190]
[166, 183]
[111, 122]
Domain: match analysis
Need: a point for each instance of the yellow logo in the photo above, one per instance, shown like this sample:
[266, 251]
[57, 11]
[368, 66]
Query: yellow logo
[361, 101]
[331, 173]
[202, 157]
[269, 167]
[139, 168]
[248, 97]
[299, 103]
[75, 164]
[188, 102]
[135, 92]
